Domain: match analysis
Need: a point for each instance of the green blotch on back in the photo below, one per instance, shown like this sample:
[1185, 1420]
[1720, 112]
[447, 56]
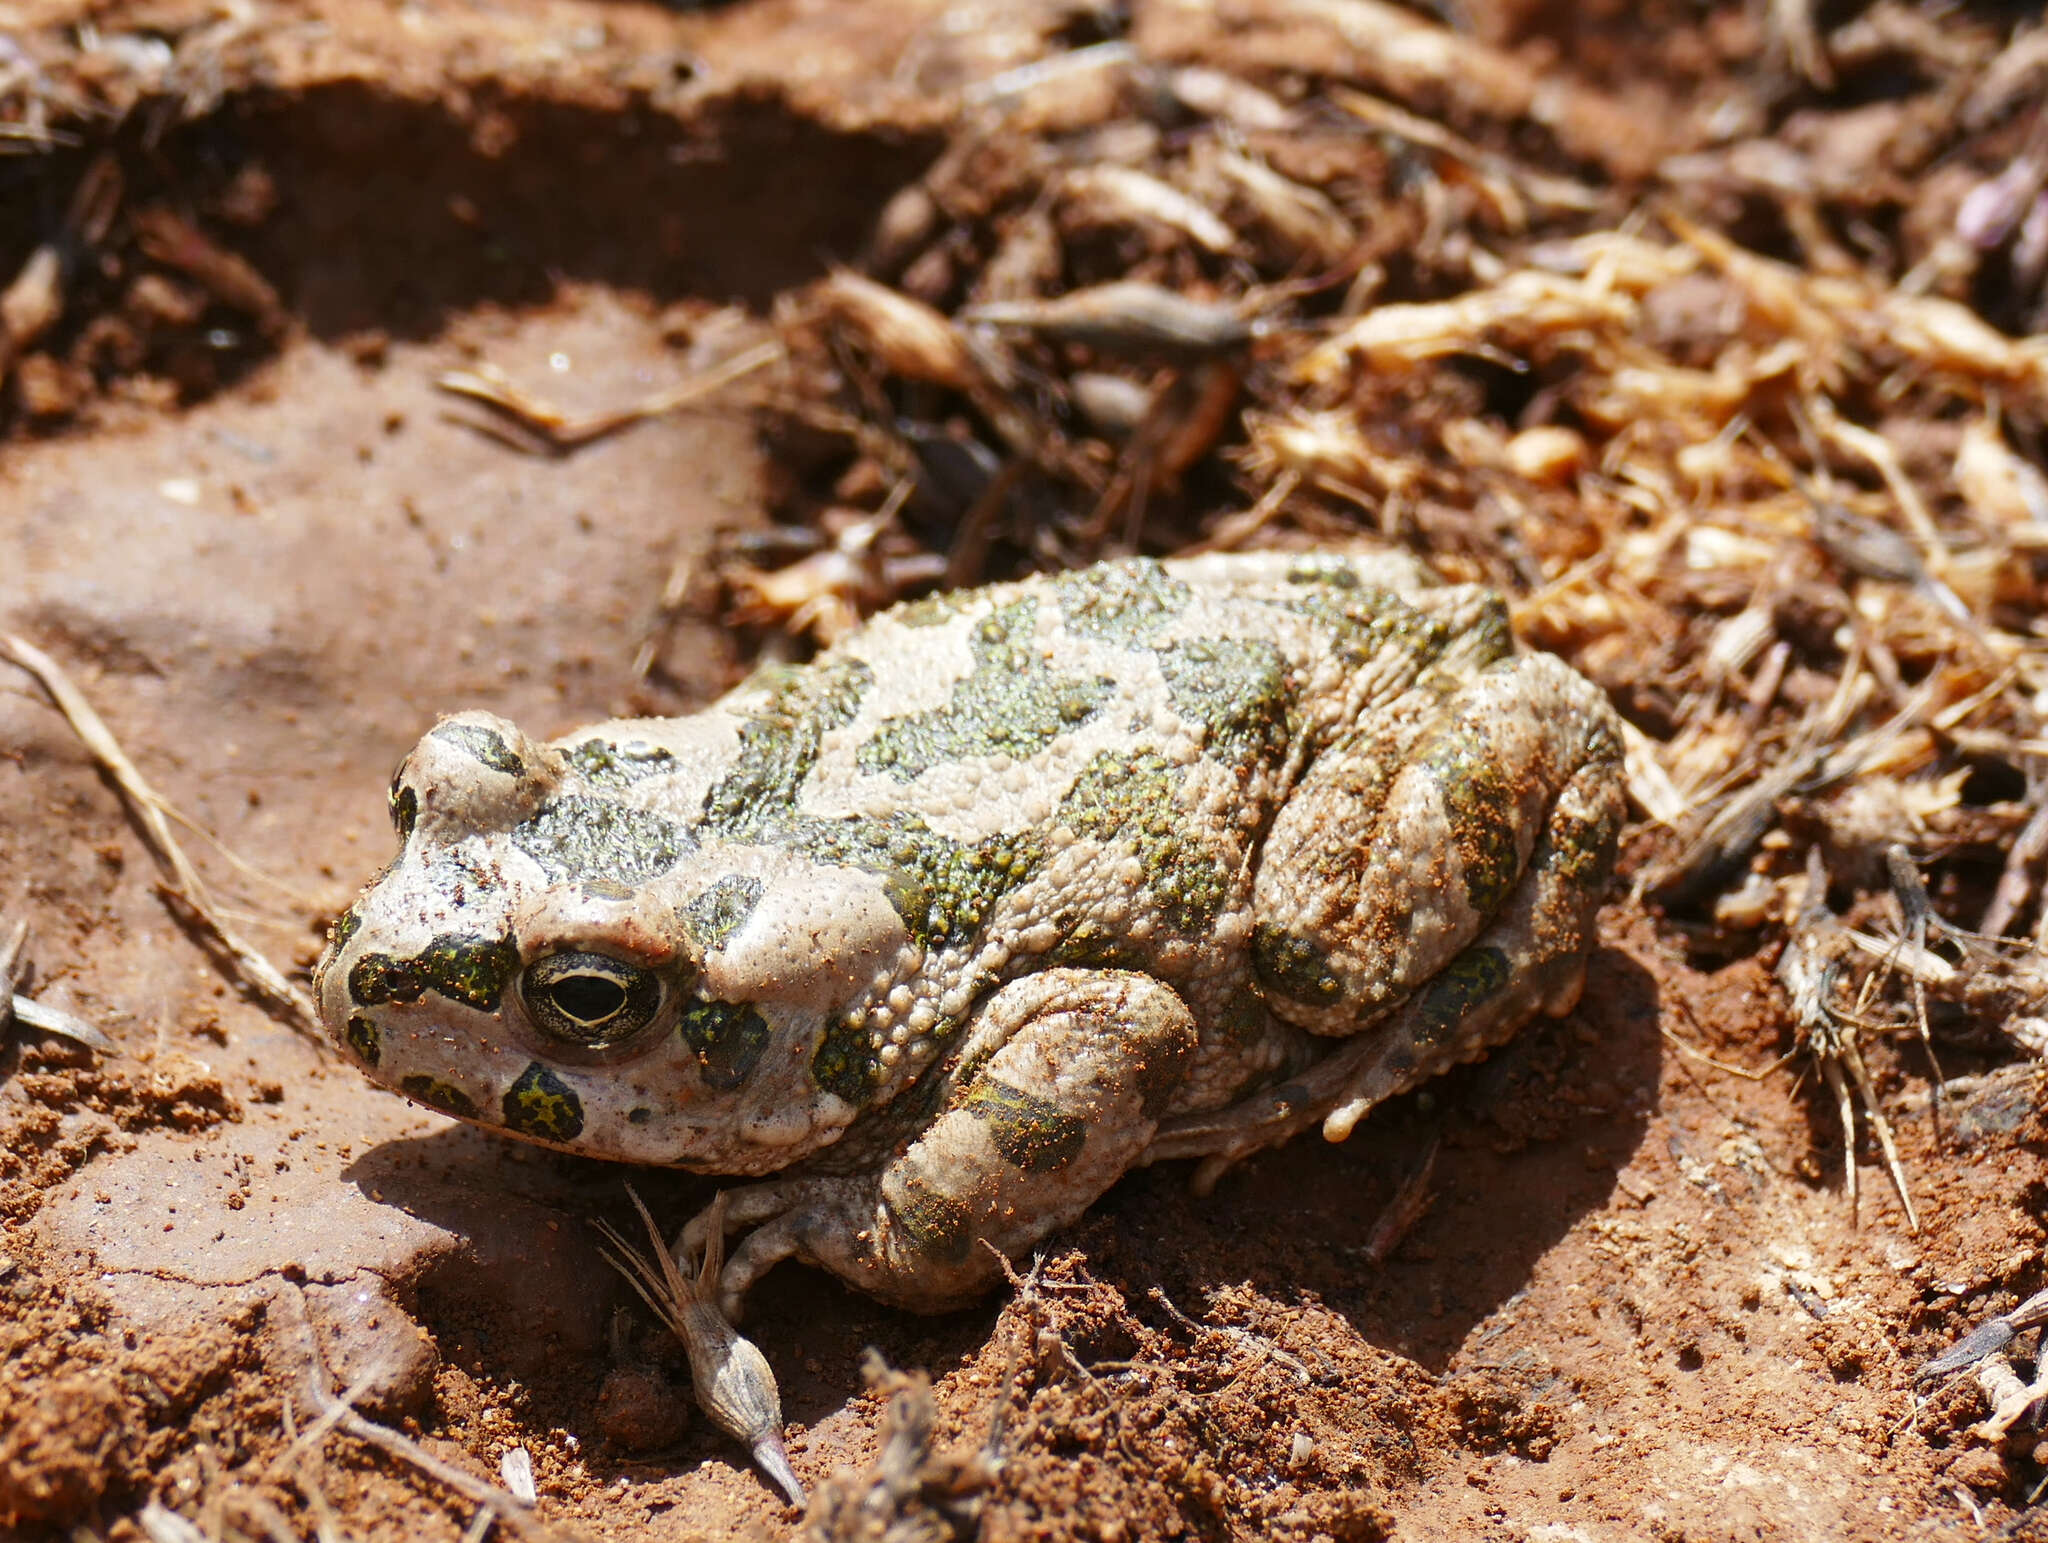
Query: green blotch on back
[1323, 568]
[1293, 967]
[1363, 622]
[1031, 1133]
[604, 764]
[1579, 850]
[1131, 601]
[1011, 704]
[482, 744]
[1237, 689]
[722, 909]
[540, 1104]
[1461, 986]
[594, 838]
[466, 969]
[1481, 806]
[1132, 799]
[1096, 947]
[779, 742]
[943, 889]
[436, 1094]
[930, 610]
[728, 1038]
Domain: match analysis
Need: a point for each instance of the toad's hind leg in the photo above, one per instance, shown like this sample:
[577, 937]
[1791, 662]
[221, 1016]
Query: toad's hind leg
[1083, 1063]
[1429, 887]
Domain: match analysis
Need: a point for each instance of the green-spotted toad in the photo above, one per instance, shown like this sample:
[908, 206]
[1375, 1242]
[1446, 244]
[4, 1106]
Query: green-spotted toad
[1010, 891]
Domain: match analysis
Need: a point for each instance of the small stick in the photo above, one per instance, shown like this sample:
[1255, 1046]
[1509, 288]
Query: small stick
[506, 1507]
[45, 1019]
[147, 806]
[562, 433]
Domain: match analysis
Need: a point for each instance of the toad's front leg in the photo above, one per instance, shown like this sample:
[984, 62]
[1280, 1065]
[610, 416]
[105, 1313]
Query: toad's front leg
[1027, 1139]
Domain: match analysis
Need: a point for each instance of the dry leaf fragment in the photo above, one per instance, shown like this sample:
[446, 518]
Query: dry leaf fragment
[1520, 310]
[1303, 219]
[907, 336]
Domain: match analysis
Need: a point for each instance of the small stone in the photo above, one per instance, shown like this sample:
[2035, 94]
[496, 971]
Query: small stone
[640, 1410]
[1979, 1468]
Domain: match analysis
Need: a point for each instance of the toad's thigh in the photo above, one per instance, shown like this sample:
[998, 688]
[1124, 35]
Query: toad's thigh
[1411, 832]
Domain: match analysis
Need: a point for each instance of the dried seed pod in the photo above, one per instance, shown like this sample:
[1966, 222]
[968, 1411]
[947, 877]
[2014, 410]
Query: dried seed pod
[2001, 488]
[31, 304]
[1112, 404]
[229, 277]
[908, 337]
[907, 222]
[1130, 319]
[1027, 261]
[1548, 452]
[1118, 195]
[1218, 94]
[733, 1381]
[1303, 220]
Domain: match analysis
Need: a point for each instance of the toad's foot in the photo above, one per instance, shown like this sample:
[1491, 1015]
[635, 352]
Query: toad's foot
[1027, 1138]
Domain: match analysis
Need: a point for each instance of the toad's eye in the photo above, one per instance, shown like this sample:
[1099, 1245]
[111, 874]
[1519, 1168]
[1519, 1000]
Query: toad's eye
[590, 1000]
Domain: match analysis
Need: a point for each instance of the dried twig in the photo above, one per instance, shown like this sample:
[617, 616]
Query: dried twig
[559, 433]
[148, 809]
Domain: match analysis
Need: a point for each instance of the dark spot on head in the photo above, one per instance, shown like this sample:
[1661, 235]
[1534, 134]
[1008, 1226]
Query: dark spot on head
[594, 838]
[542, 1105]
[405, 808]
[436, 1094]
[469, 970]
[846, 1064]
[723, 909]
[362, 1037]
[728, 1038]
[346, 925]
[639, 1114]
[482, 744]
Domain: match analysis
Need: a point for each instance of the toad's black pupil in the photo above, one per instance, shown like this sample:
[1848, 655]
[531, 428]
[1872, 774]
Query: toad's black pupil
[588, 998]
